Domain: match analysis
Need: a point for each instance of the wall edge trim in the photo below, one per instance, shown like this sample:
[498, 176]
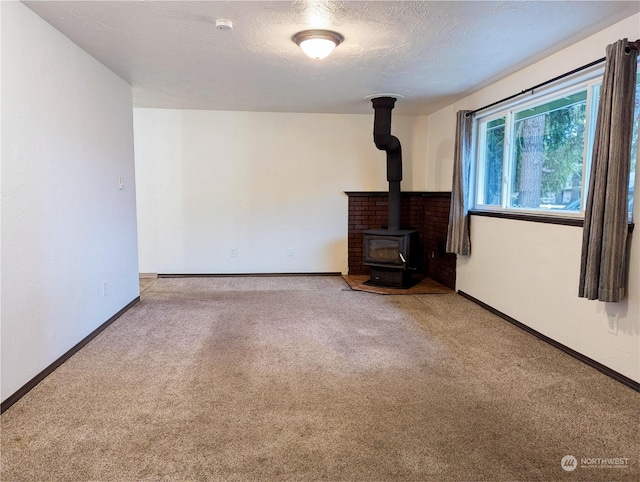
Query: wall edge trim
[240, 275]
[619, 377]
[27, 387]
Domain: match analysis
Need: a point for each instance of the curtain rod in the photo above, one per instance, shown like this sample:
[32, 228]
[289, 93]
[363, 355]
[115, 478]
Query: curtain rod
[630, 46]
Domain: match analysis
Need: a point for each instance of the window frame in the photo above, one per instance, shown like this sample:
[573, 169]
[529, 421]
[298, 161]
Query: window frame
[589, 80]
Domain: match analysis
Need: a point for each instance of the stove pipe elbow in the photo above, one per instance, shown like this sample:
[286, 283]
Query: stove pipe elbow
[384, 140]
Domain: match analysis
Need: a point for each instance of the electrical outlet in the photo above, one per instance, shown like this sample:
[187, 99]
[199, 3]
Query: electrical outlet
[105, 288]
[233, 252]
[290, 252]
[612, 323]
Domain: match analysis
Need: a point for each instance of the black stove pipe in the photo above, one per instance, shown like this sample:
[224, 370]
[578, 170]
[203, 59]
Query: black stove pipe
[386, 142]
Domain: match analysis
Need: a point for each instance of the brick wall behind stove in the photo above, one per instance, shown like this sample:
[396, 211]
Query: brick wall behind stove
[426, 212]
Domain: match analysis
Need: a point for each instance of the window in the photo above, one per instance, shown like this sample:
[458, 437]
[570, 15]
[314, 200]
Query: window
[535, 155]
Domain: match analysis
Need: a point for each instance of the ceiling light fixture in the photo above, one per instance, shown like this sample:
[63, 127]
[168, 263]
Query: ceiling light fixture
[317, 44]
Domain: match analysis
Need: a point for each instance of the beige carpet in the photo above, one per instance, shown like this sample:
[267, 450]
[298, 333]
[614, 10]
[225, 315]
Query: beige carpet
[301, 378]
[146, 280]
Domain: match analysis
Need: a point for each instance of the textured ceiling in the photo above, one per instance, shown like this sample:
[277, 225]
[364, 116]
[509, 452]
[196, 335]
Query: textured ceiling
[433, 53]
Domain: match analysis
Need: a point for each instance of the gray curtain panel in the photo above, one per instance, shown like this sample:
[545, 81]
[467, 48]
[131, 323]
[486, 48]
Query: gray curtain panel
[605, 232]
[458, 238]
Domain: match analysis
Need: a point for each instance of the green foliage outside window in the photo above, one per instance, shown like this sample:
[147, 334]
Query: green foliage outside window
[549, 147]
[494, 161]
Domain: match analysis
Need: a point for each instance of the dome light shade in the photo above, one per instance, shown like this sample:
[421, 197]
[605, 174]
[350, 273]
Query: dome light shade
[317, 48]
[317, 44]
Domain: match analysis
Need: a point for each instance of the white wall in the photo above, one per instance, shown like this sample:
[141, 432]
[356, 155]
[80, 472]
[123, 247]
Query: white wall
[530, 270]
[67, 133]
[210, 181]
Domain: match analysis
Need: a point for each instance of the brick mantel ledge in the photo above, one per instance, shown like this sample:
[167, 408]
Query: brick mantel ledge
[403, 193]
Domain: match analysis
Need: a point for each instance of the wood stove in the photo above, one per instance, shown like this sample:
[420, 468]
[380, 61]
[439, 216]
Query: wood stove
[392, 255]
